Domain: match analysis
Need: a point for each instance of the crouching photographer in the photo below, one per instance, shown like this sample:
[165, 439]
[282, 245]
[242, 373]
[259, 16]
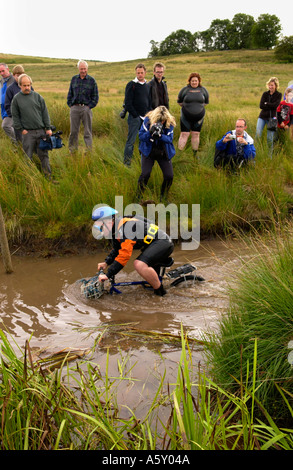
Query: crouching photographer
[156, 144]
[235, 149]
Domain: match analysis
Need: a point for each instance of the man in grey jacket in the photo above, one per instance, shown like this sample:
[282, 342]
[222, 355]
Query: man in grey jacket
[5, 81]
[30, 117]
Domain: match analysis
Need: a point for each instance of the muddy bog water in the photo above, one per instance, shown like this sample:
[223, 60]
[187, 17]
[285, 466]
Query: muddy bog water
[42, 300]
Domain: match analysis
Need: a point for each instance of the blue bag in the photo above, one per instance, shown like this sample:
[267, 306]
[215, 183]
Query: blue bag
[51, 142]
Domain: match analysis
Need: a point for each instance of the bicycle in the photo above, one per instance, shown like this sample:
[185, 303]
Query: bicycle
[92, 288]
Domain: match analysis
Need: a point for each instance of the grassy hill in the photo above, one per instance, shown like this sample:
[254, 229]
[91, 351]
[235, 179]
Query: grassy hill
[35, 210]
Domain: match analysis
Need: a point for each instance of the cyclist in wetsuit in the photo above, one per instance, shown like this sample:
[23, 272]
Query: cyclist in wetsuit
[128, 234]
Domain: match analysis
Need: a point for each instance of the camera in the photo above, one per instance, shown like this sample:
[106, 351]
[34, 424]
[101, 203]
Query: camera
[156, 131]
[123, 112]
[51, 142]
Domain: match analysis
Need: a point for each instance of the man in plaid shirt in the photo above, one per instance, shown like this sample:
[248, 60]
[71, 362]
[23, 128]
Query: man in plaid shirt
[82, 97]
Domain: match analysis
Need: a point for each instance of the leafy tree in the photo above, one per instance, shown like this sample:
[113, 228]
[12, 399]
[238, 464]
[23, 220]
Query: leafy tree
[155, 49]
[178, 42]
[206, 40]
[266, 30]
[243, 32]
[219, 31]
[239, 31]
[284, 49]
[194, 42]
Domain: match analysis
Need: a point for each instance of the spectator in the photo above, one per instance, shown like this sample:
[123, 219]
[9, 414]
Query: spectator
[30, 117]
[137, 103]
[269, 102]
[285, 112]
[12, 90]
[235, 149]
[82, 97]
[290, 85]
[156, 144]
[192, 98]
[158, 87]
[5, 81]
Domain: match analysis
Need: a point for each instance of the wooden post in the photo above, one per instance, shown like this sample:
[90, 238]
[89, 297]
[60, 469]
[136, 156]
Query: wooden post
[4, 245]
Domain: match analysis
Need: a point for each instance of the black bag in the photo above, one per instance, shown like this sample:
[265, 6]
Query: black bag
[272, 124]
[219, 158]
[51, 142]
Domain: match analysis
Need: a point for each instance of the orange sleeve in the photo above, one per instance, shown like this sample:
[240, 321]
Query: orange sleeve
[125, 252]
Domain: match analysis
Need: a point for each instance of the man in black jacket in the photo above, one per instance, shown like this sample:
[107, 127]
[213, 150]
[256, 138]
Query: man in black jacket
[137, 103]
[158, 87]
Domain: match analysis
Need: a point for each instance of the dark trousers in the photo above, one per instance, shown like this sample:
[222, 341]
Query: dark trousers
[147, 164]
[134, 124]
[233, 162]
[30, 144]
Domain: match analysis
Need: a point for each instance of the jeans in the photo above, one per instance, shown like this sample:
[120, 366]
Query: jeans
[134, 124]
[271, 135]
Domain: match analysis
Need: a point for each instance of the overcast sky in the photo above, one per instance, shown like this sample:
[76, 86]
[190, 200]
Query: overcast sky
[115, 30]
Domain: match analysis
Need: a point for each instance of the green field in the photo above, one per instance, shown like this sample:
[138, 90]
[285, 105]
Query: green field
[37, 210]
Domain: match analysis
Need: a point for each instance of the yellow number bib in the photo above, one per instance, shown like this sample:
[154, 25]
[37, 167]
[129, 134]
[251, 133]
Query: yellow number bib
[151, 234]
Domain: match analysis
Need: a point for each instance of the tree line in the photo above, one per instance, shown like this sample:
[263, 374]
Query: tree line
[242, 32]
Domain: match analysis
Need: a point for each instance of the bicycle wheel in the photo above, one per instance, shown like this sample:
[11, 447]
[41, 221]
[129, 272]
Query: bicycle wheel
[189, 277]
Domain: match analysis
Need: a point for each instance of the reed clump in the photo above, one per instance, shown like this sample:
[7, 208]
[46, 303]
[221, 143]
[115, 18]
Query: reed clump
[47, 405]
[261, 305]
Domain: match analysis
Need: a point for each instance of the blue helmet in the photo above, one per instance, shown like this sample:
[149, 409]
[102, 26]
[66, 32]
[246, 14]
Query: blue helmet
[103, 212]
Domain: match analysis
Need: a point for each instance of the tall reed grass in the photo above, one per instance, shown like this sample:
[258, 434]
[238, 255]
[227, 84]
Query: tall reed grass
[261, 306]
[76, 408]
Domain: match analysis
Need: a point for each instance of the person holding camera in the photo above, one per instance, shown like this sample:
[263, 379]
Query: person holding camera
[137, 104]
[30, 117]
[156, 144]
[82, 97]
[236, 148]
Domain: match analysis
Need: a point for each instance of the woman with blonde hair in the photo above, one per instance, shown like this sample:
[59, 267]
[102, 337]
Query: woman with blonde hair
[269, 102]
[156, 144]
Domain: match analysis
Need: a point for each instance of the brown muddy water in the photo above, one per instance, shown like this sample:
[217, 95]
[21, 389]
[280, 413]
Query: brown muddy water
[41, 300]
